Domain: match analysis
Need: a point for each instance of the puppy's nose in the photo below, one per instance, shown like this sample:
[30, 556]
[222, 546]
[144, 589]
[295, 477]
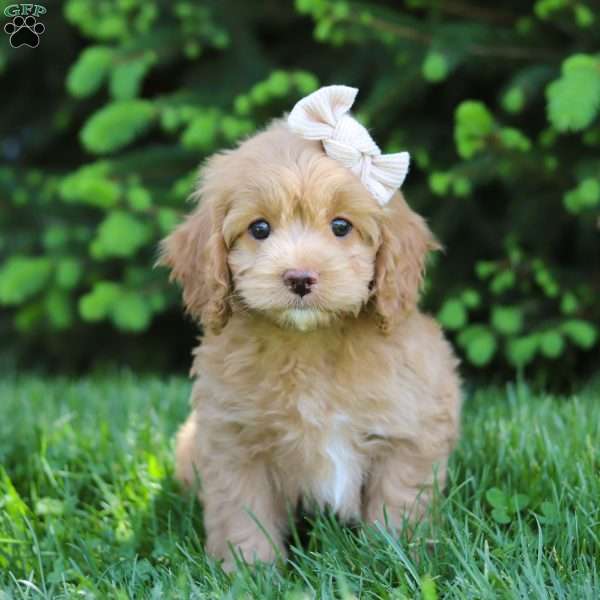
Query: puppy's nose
[300, 282]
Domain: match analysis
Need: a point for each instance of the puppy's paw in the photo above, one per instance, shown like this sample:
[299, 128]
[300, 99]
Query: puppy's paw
[398, 516]
[255, 551]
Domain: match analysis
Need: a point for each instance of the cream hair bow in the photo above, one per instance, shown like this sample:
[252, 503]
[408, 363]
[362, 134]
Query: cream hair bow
[323, 115]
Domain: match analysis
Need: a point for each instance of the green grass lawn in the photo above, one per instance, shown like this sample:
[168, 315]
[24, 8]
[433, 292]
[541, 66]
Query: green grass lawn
[89, 508]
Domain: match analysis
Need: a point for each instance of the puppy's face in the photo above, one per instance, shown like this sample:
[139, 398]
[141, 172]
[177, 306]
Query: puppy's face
[284, 231]
[302, 246]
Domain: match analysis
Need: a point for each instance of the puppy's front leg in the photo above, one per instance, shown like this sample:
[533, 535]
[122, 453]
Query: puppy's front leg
[241, 508]
[400, 484]
[241, 505]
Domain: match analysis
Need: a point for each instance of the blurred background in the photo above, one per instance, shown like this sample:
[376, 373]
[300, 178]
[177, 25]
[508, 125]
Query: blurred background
[104, 123]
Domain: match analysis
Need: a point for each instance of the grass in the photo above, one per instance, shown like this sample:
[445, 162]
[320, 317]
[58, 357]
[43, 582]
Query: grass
[89, 509]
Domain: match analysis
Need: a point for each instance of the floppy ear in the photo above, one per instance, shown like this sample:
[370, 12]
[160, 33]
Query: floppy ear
[197, 255]
[400, 262]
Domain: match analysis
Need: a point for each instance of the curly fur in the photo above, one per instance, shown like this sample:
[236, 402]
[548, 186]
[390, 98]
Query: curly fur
[346, 398]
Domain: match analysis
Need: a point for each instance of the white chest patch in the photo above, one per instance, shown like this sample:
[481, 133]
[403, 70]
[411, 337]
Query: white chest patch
[340, 455]
[341, 485]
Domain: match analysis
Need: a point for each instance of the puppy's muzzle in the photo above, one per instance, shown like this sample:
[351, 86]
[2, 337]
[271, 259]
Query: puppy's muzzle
[300, 282]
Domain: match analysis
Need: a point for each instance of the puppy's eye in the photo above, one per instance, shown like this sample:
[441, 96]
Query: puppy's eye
[260, 229]
[341, 227]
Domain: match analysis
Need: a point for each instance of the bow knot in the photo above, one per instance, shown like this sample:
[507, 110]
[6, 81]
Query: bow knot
[324, 115]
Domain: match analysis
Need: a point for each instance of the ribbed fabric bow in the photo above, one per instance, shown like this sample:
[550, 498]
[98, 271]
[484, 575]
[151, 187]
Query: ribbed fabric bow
[323, 115]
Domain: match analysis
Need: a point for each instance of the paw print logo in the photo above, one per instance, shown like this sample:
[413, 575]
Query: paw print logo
[24, 31]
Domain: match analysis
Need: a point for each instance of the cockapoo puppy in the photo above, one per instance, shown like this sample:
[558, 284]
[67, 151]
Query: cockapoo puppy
[317, 379]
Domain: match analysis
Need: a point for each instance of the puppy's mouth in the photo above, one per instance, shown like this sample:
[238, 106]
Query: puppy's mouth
[289, 310]
[303, 318]
[305, 303]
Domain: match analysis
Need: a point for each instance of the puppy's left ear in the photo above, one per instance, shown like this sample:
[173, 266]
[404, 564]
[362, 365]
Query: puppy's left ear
[400, 263]
[197, 254]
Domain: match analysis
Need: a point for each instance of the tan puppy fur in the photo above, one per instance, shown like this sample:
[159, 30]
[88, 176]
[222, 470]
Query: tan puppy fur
[346, 397]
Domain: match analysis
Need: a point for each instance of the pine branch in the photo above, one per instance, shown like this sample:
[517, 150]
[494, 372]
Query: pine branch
[455, 7]
[511, 52]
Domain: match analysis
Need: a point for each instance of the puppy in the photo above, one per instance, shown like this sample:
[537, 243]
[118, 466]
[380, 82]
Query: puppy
[317, 378]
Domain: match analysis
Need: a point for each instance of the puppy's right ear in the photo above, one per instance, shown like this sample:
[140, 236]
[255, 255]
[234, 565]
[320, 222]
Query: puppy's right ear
[197, 255]
[400, 262]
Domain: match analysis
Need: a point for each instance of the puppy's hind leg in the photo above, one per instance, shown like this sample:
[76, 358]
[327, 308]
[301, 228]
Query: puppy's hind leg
[187, 460]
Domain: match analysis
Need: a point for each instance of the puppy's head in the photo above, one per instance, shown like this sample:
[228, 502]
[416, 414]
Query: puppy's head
[284, 231]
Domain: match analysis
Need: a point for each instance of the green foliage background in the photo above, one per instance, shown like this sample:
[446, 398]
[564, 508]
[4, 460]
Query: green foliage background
[103, 125]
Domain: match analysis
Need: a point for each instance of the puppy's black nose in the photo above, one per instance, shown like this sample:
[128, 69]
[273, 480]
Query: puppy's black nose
[300, 282]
